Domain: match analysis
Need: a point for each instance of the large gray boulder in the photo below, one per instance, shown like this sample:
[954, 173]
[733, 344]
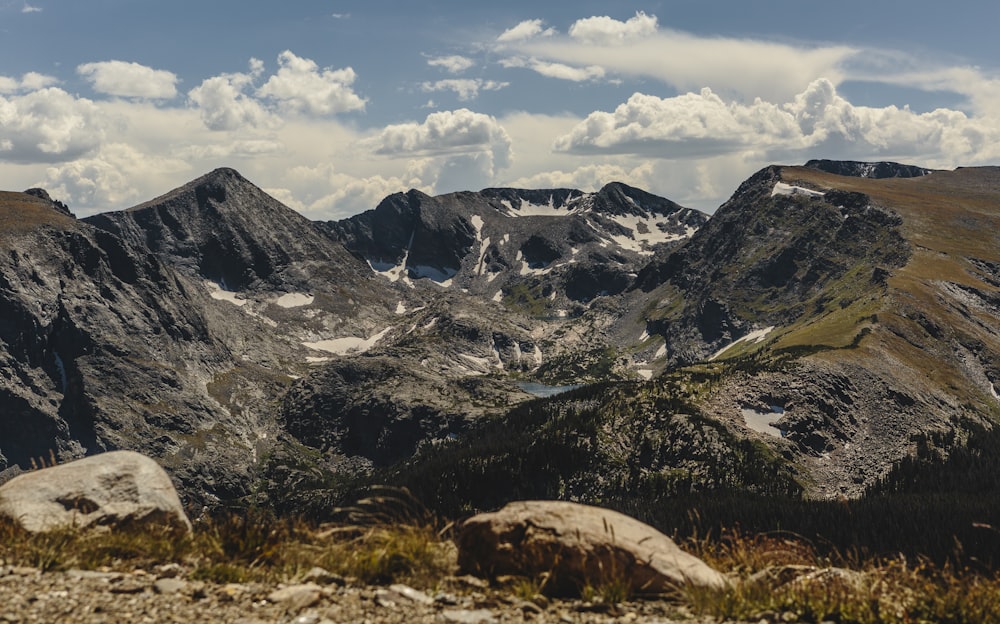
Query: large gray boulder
[578, 545]
[120, 488]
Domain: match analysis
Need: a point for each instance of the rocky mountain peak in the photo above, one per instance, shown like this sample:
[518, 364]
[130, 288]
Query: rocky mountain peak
[224, 228]
[622, 199]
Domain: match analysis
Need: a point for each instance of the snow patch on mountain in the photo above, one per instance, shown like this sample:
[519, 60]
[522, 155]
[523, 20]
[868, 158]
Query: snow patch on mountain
[347, 345]
[528, 209]
[780, 188]
[219, 294]
[754, 336]
[294, 300]
[646, 232]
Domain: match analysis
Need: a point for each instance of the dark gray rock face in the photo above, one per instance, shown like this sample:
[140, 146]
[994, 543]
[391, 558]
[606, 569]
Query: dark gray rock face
[411, 227]
[875, 170]
[224, 229]
[103, 348]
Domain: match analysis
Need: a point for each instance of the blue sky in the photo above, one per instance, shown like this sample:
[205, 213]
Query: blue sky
[331, 105]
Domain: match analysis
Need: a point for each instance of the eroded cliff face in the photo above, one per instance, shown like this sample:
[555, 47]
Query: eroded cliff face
[104, 348]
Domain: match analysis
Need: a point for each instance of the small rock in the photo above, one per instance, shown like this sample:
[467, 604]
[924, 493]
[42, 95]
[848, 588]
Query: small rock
[470, 581]
[168, 585]
[385, 598]
[94, 575]
[323, 577]
[128, 587]
[467, 616]
[296, 597]
[169, 570]
[412, 594]
[24, 571]
[528, 607]
[446, 599]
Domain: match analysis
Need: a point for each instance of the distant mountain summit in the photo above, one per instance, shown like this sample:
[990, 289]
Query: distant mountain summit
[874, 170]
[550, 248]
[225, 229]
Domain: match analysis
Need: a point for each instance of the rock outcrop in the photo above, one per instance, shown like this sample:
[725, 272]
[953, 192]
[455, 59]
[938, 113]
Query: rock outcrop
[578, 545]
[120, 488]
[876, 170]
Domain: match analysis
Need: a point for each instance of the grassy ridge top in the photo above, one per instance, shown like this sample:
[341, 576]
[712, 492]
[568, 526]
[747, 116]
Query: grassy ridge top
[21, 213]
[947, 288]
[951, 212]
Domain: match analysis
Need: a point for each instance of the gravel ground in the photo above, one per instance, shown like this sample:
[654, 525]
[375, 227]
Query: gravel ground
[165, 594]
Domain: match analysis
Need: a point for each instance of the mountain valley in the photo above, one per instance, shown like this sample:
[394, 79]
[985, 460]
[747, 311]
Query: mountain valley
[825, 325]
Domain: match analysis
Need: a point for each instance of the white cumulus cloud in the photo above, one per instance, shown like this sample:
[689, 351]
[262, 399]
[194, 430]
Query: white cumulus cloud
[446, 132]
[466, 89]
[590, 177]
[225, 105]
[556, 70]
[816, 121]
[108, 178]
[300, 85]
[639, 48]
[461, 149]
[49, 125]
[528, 29]
[31, 81]
[125, 79]
[453, 64]
[604, 30]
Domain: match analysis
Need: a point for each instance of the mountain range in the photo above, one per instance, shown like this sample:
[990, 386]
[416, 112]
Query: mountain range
[825, 324]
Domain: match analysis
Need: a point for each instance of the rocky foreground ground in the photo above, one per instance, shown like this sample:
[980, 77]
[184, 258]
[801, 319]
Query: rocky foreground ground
[165, 594]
